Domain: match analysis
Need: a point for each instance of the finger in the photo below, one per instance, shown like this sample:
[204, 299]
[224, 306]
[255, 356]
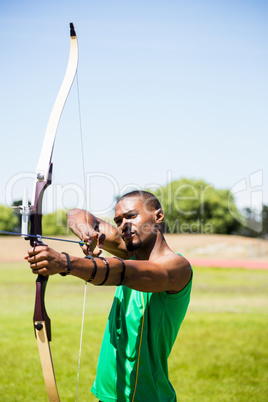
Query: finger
[34, 266]
[41, 256]
[101, 240]
[85, 249]
[32, 259]
[40, 263]
[96, 252]
[36, 250]
[85, 236]
[42, 271]
[90, 235]
[87, 240]
[91, 244]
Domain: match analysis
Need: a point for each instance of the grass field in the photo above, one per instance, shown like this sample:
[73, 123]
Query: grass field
[221, 353]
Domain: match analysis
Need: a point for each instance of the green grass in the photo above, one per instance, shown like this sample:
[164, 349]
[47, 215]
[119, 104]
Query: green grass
[221, 353]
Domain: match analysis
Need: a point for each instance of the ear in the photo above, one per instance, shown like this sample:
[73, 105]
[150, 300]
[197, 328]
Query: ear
[159, 215]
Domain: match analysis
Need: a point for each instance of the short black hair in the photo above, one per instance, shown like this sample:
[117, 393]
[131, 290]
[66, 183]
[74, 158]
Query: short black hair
[149, 199]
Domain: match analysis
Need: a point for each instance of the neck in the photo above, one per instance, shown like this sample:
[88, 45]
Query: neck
[154, 248]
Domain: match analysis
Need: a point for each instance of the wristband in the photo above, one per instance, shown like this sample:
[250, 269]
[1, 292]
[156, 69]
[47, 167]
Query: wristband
[89, 257]
[107, 271]
[68, 265]
[123, 271]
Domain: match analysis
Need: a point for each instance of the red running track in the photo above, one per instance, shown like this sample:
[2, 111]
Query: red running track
[226, 263]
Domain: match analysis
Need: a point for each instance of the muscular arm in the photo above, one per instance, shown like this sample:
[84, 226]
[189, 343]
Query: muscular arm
[86, 225]
[169, 273]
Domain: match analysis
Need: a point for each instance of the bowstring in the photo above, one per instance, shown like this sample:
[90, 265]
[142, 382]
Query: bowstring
[84, 178]
[81, 339]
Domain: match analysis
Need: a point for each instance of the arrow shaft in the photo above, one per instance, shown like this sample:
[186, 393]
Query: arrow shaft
[81, 243]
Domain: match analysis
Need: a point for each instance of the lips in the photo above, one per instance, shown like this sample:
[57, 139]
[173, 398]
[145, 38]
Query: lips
[128, 236]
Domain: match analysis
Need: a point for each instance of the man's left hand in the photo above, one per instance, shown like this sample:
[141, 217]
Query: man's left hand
[46, 261]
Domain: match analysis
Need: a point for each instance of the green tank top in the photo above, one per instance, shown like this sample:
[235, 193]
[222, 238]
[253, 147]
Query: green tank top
[139, 335]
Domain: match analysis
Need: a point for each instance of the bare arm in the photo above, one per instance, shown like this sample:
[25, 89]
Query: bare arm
[97, 232]
[169, 273]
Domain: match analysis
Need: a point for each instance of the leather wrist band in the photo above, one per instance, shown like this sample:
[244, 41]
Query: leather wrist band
[68, 265]
[123, 271]
[89, 257]
[107, 271]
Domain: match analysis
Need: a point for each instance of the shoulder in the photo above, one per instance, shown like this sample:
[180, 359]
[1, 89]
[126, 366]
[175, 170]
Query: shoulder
[173, 261]
[178, 270]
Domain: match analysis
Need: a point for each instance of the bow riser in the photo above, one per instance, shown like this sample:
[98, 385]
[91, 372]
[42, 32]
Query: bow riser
[36, 209]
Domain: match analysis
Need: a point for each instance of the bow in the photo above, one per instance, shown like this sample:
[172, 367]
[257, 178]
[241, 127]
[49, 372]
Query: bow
[43, 180]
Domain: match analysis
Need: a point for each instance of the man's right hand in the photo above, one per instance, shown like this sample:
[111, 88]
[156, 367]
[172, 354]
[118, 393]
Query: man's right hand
[97, 233]
[94, 242]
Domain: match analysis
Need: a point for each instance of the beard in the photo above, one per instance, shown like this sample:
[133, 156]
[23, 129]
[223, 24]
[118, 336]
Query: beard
[133, 247]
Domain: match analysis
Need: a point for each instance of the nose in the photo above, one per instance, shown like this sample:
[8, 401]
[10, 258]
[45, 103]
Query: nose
[126, 225]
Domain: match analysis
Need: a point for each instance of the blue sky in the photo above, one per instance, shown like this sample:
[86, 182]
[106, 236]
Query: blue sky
[168, 89]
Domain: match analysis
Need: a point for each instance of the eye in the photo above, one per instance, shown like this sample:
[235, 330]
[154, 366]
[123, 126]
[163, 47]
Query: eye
[118, 222]
[132, 216]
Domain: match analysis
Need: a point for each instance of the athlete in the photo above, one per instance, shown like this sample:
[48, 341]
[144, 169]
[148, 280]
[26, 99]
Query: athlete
[151, 299]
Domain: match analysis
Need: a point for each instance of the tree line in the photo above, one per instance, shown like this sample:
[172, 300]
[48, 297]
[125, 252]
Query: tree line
[190, 206]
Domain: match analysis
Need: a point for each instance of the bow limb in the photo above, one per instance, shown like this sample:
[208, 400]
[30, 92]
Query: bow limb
[49, 139]
[43, 180]
[43, 337]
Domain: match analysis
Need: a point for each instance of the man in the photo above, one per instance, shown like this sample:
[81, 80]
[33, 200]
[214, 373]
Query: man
[150, 301]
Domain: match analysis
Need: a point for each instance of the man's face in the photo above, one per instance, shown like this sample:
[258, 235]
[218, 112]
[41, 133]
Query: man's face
[135, 223]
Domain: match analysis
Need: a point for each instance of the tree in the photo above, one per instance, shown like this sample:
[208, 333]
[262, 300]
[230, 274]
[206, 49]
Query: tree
[265, 221]
[8, 220]
[194, 206]
[17, 213]
[55, 223]
[255, 223]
